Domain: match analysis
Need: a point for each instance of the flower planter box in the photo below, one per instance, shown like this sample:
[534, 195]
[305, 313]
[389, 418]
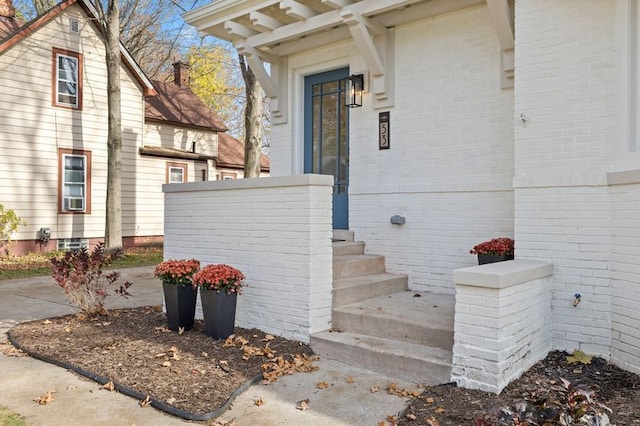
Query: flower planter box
[180, 302]
[483, 259]
[219, 312]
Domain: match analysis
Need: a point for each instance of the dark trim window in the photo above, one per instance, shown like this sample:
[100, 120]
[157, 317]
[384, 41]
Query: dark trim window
[67, 79]
[74, 193]
[176, 173]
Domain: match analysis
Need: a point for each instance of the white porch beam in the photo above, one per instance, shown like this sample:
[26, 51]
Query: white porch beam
[263, 22]
[297, 10]
[218, 12]
[337, 4]
[318, 40]
[501, 18]
[236, 30]
[326, 21]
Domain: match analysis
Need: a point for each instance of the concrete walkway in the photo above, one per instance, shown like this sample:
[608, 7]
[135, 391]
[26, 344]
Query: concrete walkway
[348, 400]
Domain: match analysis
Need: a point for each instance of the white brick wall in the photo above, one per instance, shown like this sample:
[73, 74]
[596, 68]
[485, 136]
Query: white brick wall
[564, 85]
[277, 231]
[502, 322]
[569, 226]
[440, 230]
[625, 262]
[450, 167]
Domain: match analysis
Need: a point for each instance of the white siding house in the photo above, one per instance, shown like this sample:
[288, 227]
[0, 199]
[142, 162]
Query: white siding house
[53, 133]
[505, 119]
[41, 130]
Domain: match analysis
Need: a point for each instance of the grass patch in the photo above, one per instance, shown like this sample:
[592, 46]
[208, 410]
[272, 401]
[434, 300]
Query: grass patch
[9, 418]
[39, 264]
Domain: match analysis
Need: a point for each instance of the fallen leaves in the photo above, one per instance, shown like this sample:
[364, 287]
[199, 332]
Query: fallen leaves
[109, 386]
[280, 366]
[579, 357]
[46, 398]
[259, 401]
[322, 385]
[11, 351]
[393, 389]
[350, 380]
[145, 402]
[374, 389]
[303, 405]
[234, 341]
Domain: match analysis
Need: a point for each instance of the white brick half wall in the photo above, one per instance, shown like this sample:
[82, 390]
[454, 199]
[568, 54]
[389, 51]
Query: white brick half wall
[502, 322]
[277, 231]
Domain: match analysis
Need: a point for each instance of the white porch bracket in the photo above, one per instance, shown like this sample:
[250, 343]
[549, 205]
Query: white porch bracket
[274, 84]
[376, 52]
[502, 18]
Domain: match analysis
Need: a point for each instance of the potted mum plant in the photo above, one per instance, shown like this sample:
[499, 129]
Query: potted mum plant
[495, 250]
[219, 286]
[179, 292]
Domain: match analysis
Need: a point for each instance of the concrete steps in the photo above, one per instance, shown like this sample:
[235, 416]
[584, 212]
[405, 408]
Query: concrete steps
[357, 265]
[363, 287]
[407, 316]
[409, 361]
[377, 323]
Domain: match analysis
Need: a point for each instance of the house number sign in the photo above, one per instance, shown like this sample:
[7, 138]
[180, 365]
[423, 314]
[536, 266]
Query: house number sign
[384, 136]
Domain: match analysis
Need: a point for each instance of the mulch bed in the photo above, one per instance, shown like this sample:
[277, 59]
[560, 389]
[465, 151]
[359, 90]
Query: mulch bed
[194, 373]
[133, 348]
[552, 392]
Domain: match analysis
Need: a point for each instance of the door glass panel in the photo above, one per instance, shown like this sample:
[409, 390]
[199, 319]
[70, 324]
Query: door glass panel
[317, 113]
[343, 150]
[329, 133]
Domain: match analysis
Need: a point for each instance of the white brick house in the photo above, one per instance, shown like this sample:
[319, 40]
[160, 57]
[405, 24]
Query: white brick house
[506, 119]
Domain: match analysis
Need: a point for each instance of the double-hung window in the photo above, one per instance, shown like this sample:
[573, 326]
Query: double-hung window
[75, 169]
[67, 68]
[176, 172]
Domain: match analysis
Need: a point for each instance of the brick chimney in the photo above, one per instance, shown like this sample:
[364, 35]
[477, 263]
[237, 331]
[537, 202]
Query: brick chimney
[180, 74]
[6, 9]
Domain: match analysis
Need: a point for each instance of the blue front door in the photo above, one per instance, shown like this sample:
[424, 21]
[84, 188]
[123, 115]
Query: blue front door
[326, 136]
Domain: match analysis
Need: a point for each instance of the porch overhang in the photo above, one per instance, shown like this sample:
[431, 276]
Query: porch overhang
[268, 31]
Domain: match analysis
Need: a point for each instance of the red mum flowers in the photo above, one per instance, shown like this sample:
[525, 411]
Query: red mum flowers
[221, 278]
[497, 247]
[178, 272]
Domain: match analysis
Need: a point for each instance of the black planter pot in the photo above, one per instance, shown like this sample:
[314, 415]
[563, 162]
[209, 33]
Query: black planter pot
[180, 301]
[219, 312]
[483, 259]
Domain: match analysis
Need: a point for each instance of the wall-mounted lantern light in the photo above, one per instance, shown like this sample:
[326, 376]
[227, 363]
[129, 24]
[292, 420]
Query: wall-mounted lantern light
[355, 87]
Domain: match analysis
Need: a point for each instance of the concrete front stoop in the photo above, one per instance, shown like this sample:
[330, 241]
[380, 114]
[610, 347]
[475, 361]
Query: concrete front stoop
[381, 325]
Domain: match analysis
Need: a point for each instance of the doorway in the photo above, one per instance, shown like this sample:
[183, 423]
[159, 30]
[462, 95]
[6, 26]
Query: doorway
[326, 136]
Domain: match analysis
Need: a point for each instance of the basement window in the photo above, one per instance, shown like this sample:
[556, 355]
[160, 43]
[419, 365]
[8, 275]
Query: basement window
[67, 244]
